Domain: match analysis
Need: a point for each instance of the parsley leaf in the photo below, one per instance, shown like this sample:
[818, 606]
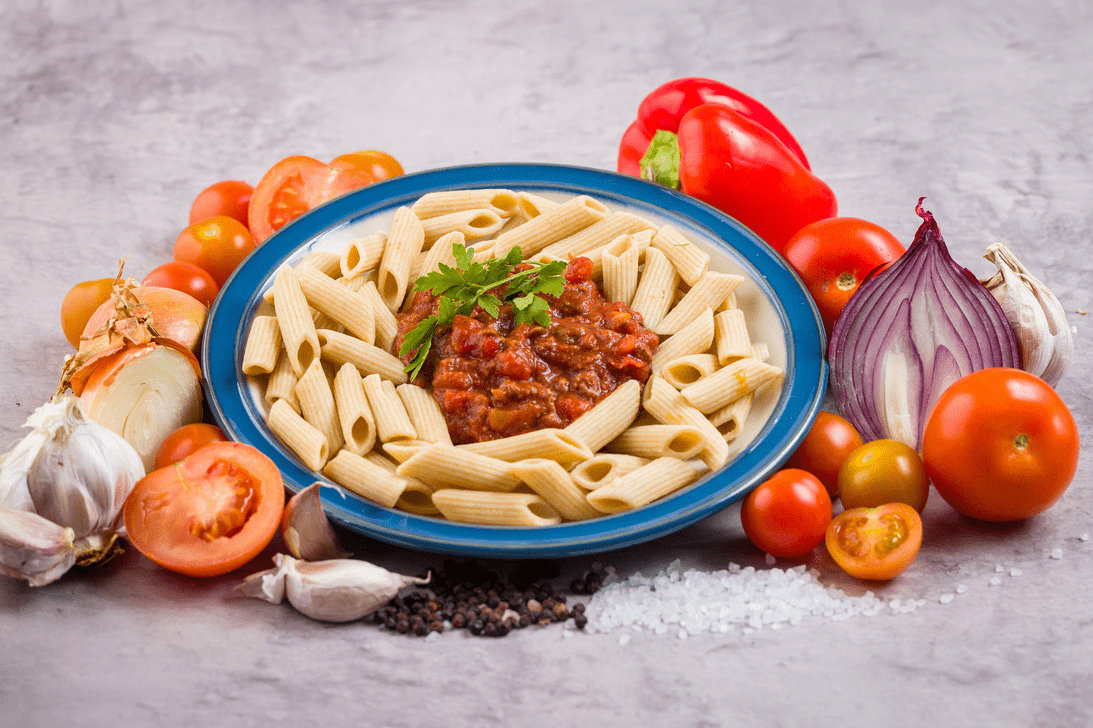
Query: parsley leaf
[469, 284]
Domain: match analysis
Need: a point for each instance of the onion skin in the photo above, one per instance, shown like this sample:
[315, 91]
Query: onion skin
[175, 314]
[908, 333]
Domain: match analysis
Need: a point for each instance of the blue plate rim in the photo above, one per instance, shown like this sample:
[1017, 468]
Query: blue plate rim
[230, 315]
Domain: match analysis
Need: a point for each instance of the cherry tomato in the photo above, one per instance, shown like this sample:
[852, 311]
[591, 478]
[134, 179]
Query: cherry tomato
[825, 448]
[185, 440]
[883, 471]
[835, 255]
[788, 514]
[1000, 445]
[185, 277]
[209, 513]
[875, 543]
[216, 245]
[82, 300]
[230, 198]
[297, 184]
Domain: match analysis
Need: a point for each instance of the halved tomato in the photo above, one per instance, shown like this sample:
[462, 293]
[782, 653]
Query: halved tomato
[298, 183]
[875, 543]
[209, 513]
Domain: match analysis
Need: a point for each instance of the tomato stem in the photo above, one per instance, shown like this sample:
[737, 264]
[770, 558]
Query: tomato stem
[1021, 441]
[846, 281]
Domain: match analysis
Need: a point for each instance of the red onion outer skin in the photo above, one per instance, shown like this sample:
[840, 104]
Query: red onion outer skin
[925, 315]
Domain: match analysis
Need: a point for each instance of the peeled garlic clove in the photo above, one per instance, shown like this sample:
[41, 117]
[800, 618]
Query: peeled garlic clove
[1038, 320]
[306, 530]
[34, 548]
[339, 590]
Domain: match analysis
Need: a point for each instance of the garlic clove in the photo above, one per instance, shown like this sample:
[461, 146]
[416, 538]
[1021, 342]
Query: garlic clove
[340, 590]
[268, 585]
[34, 548]
[306, 530]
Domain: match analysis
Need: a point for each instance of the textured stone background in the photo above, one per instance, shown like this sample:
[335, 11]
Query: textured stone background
[113, 115]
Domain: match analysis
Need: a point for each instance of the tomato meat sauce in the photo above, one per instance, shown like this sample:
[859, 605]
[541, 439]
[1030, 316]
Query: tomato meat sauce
[493, 379]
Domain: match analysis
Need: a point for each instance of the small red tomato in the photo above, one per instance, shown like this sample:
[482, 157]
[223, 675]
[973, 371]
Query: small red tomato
[216, 245]
[81, 301]
[185, 277]
[185, 440]
[788, 514]
[825, 448]
[230, 198]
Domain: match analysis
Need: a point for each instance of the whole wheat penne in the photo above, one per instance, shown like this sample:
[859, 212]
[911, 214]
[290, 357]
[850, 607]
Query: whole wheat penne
[317, 404]
[658, 441]
[417, 498]
[549, 227]
[404, 242]
[362, 255]
[731, 335]
[354, 413]
[729, 420]
[642, 486]
[532, 205]
[386, 323]
[640, 240]
[656, 287]
[603, 467]
[441, 466]
[440, 252]
[729, 383]
[365, 478]
[694, 338]
[503, 203]
[300, 436]
[668, 406]
[281, 383]
[340, 348]
[599, 233]
[399, 451]
[495, 509]
[708, 292]
[326, 262]
[691, 261]
[425, 414]
[554, 485]
[349, 308]
[609, 417]
[294, 319]
[382, 460]
[620, 269]
[263, 346]
[549, 444]
[474, 224]
[392, 421]
[686, 370]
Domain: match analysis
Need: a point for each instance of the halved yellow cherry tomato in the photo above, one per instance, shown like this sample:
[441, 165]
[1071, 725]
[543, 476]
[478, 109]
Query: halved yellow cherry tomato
[875, 543]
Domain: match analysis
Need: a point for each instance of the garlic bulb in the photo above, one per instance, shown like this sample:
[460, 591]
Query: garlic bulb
[62, 489]
[336, 590]
[1038, 320]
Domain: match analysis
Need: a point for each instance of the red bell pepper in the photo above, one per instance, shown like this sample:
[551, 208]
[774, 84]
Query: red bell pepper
[730, 160]
[665, 106]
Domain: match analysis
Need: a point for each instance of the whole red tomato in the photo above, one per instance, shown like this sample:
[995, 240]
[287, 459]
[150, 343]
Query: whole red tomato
[185, 277]
[1000, 445]
[216, 245]
[825, 448]
[230, 197]
[835, 255]
[787, 515]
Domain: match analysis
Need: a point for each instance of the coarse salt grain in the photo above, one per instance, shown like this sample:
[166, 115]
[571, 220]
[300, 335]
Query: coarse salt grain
[1015, 572]
[945, 598]
[995, 581]
[690, 602]
[961, 588]
[1056, 553]
[1083, 537]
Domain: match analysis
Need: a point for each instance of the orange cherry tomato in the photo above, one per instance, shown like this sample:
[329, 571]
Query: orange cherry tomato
[181, 443]
[825, 448]
[185, 277]
[1000, 445]
[883, 471]
[230, 198]
[81, 301]
[875, 543]
[216, 245]
[787, 515]
[209, 513]
[297, 184]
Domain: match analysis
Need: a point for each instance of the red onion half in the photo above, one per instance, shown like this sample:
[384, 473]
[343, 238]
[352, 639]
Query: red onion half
[908, 333]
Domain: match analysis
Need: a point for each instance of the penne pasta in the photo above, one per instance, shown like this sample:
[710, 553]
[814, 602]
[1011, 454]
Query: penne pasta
[562, 446]
[708, 292]
[656, 287]
[402, 450]
[729, 383]
[365, 478]
[552, 483]
[440, 252]
[386, 323]
[688, 259]
[597, 234]
[354, 413]
[263, 346]
[317, 404]
[619, 260]
[441, 466]
[294, 319]
[658, 441]
[388, 412]
[731, 335]
[304, 439]
[417, 498]
[340, 348]
[694, 338]
[326, 262]
[503, 203]
[424, 413]
[686, 370]
[668, 406]
[404, 242]
[495, 509]
[730, 419]
[646, 484]
[474, 224]
[349, 308]
[549, 227]
[532, 205]
[611, 415]
[362, 255]
[603, 468]
[281, 383]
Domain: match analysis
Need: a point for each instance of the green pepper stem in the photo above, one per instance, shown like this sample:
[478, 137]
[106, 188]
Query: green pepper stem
[660, 163]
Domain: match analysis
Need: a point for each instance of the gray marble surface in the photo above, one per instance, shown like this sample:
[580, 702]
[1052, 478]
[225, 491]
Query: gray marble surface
[115, 114]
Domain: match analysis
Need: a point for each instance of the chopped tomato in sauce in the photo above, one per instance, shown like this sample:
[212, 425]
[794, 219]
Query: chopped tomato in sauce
[493, 379]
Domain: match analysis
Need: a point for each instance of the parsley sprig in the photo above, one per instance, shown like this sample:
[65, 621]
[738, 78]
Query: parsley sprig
[469, 284]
